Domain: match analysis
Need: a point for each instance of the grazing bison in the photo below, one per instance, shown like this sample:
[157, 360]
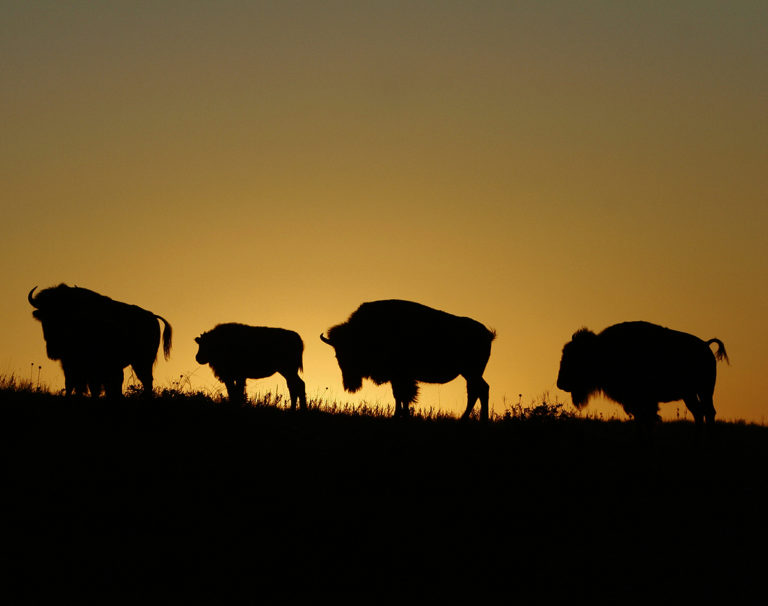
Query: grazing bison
[237, 352]
[638, 365]
[402, 343]
[95, 338]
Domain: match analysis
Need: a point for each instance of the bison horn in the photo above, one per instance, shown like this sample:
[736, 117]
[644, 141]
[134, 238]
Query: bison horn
[324, 339]
[31, 299]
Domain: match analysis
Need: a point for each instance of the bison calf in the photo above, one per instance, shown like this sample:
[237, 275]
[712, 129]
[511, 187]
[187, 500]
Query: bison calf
[237, 352]
[638, 365]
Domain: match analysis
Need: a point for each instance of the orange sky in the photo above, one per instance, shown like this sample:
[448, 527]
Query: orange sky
[538, 169]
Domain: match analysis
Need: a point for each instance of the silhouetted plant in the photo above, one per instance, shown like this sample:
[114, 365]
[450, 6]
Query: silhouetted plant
[545, 409]
[13, 383]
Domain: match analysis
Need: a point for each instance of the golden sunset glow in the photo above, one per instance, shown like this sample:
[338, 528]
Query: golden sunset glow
[539, 168]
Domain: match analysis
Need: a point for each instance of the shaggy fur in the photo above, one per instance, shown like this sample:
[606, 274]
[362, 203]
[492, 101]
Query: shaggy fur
[639, 365]
[236, 352]
[95, 338]
[403, 343]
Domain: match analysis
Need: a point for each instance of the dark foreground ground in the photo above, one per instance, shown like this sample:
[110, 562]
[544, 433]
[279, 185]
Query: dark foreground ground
[180, 499]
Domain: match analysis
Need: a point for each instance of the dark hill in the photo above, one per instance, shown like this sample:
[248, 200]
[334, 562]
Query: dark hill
[183, 498]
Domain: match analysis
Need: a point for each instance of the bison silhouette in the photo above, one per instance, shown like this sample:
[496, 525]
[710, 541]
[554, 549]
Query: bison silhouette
[403, 343]
[639, 365]
[236, 352]
[95, 338]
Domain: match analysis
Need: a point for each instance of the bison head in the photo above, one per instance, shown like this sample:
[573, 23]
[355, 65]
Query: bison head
[578, 367]
[203, 355]
[346, 355]
[56, 327]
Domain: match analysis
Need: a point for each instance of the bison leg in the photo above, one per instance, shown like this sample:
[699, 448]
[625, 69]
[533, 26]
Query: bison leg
[95, 387]
[297, 389]
[644, 413]
[76, 387]
[707, 408]
[692, 403]
[235, 390]
[405, 392]
[144, 375]
[113, 383]
[75, 382]
[477, 389]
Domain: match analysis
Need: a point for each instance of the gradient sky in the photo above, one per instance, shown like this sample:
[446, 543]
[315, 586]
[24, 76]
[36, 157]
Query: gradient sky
[538, 166]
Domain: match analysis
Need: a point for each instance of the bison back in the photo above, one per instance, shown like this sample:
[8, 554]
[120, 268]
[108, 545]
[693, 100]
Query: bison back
[643, 360]
[404, 333]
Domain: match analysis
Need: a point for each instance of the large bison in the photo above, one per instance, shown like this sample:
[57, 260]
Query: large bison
[402, 343]
[95, 338]
[237, 352]
[638, 365]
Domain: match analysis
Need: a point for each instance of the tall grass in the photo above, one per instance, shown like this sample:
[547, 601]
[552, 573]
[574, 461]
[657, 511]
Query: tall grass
[14, 383]
[181, 390]
[543, 408]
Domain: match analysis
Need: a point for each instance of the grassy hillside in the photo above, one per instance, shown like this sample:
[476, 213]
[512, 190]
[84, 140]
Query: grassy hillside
[186, 497]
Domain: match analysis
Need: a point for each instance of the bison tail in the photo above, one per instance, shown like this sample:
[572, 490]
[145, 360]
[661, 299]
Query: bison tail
[167, 333]
[300, 356]
[720, 354]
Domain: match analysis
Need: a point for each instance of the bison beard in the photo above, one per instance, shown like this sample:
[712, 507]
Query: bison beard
[581, 398]
[352, 382]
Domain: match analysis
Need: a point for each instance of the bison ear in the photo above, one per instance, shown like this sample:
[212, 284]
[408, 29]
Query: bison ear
[197, 340]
